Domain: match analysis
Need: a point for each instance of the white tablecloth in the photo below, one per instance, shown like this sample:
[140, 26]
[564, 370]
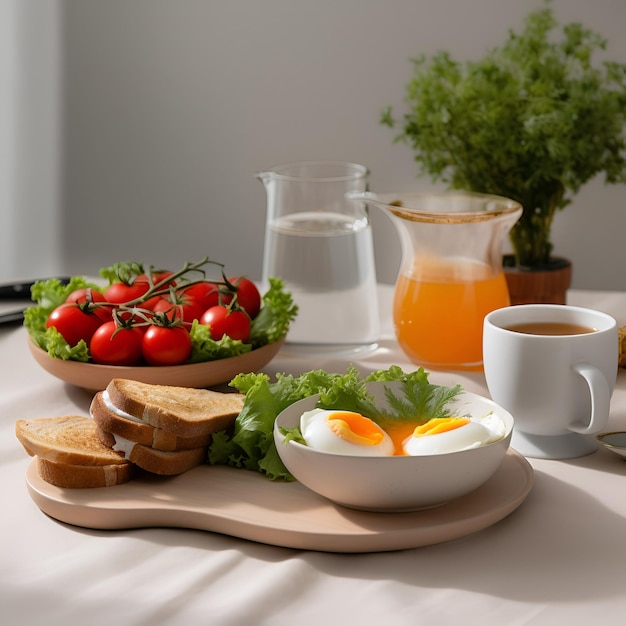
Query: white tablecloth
[558, 559]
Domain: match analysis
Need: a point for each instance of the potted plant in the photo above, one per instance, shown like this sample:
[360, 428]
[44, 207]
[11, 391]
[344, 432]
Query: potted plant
[533, 120]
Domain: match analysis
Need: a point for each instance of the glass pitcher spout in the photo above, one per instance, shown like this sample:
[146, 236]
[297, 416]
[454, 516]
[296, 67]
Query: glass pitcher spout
[451, 272]
[264, 177]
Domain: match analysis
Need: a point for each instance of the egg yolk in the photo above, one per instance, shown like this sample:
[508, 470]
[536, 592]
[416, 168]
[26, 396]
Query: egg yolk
[355, 428]
[400, 432]
[440, 425]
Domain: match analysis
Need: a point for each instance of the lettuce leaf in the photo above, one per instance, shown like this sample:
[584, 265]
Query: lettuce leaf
[48, 294]
[277, 312]
[204, 348]
[252, 446]
[56, 346]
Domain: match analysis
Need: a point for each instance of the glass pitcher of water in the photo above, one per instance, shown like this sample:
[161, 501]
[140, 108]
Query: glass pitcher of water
[451, 272]
[319, 242]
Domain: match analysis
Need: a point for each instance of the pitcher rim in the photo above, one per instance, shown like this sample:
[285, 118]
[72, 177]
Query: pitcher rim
[360, 171]
[508, 206]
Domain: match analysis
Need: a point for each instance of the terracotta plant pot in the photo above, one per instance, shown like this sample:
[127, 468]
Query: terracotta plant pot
[545, 285]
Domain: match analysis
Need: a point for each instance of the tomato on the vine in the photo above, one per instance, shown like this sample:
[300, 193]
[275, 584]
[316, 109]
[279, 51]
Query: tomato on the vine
[171, 311]
[166, 345]
[115, 345]
[205, 293]
[88, 296]
[224, 321]
[248, 296]
[243, 289]
[73, 322]
[184, 308]
[120, 293]
[155, 278]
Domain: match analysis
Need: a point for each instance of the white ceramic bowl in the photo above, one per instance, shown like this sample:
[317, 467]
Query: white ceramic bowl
[96, 377]
[395, 483]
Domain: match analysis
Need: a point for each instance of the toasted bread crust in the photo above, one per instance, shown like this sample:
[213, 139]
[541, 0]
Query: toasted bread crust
[172, 437]
[162, 462]
[72, 439]
[142, 433]
[167, 463]
[186, 412]
[84, 476]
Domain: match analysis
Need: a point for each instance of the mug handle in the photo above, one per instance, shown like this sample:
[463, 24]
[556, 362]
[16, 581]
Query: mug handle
[600, 399]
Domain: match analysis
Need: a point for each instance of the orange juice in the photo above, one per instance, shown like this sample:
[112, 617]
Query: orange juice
[439, 307]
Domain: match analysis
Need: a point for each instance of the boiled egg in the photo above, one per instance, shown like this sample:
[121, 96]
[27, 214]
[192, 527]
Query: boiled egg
[452, 434]
[344, 432]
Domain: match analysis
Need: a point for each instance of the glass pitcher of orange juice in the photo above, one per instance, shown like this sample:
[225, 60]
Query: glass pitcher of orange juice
[451, 272]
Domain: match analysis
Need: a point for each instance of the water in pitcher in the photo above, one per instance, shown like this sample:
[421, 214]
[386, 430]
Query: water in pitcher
[325, 260]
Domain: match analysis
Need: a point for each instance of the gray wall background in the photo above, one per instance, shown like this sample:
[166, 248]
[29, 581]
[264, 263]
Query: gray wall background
[134, 127]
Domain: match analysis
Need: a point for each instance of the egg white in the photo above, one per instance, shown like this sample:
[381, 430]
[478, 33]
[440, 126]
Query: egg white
[318, 434]
[477, 432]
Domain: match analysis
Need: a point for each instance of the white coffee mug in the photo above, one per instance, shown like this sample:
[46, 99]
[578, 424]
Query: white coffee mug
[553, 367]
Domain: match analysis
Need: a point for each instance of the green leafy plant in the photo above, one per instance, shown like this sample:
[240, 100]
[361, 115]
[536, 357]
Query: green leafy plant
[533, 120]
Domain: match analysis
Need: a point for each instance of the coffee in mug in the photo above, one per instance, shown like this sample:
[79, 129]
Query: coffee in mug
[551, 328]
[553, 367]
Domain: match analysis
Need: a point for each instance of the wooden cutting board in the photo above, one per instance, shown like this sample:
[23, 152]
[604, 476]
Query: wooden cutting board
[247, 505]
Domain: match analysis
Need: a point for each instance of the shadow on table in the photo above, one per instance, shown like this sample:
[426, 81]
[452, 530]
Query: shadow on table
[561, 545]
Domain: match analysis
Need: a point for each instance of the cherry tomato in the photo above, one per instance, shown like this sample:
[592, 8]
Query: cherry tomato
[165, 305]
[87, 295]
[73, 322]
[166, 345]
[184, 308]
[156, 278]
[223, 321]
[112, 345]
[150, 303]
[212, 294]
[119, 293]
[248, 296]
[205, 293]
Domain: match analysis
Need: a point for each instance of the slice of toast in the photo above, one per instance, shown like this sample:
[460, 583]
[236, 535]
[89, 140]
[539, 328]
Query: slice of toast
[162, 462]
[71, 439]
[183, 411]
[71, 476]
[140, 432]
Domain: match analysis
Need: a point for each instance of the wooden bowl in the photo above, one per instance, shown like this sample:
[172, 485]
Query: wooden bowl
[207, 374]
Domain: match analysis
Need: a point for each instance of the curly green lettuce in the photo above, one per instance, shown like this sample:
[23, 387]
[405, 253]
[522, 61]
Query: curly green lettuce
[48, 294]
[275, 316]
[204, 348]
[251, 445]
